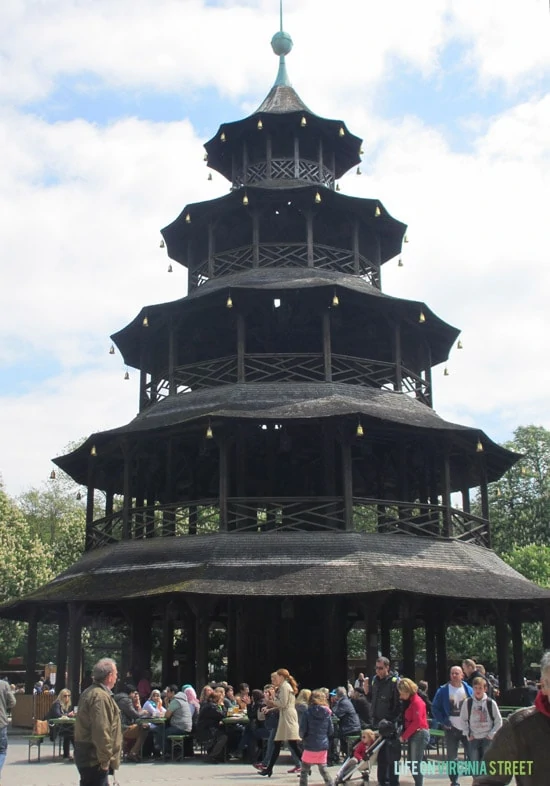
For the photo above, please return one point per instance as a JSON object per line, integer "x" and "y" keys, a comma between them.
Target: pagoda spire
{"x": 281, "y": 43}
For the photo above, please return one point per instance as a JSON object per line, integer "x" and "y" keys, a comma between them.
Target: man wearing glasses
{"x": 385, "y": 705}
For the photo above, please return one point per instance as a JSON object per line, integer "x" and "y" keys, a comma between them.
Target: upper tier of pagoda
{"x": 283, "y": 142}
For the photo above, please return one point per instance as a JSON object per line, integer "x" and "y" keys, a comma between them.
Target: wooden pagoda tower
{"x": 286, "y": 476}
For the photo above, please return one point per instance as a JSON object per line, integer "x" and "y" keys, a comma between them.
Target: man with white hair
{"x": 98, "y": 732}
{"x": 521, "y": 748}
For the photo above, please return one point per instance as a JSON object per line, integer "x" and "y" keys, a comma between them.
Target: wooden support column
{"x": 75, "y": 649}
{"x": 465, "y": 492}
{"x": 397, "y": 358}
{"x": 127, "y": 489}
{"x": 484, "y": 495}
{"x": 502, "y": 635}
{"x": 172, "y": 360}
{"x": 321, "y": 162}
{"x": 431, "y": 656}
{"x": 245, "y": 164}
{"x": 141, "y": 639}
{"x": 327, "y": 347}
{"x": 370, "y": 610}
{"x": 211, "y": 250}
{"x": 223, "y": 446}
{"x": 109, "y": 501}
{"x": 385, "y": 640}
{"x": 241, "y": 348}
{"x": 517, "y": 650}
{"x": 32, "y": 639}
{"x": 329, "y": 474}
{"x": 441, "y": 645}
{"x": 202, "y": 608}
{"x": 407, "y": 630}
{"x": 268, "y": 156}
{"x": 296, "y": 158}
{"x": 309, "y": 235}
{"x": 62, "y": 631}
{"x": 447, "y": 522}
{"x": 355, "y": 246}
{"x": 255, "y": 238}
{"x": 143, "y": 397}
{"x": 347, "y": 483}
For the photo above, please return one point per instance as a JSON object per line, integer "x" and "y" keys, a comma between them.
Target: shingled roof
{"x": 282, "y": 564}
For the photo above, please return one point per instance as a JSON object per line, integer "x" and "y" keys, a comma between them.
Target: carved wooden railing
{"x": 290, "y": 367}
{"x": 285, "y": 255}
{"x": 285, "y": 169}
{"x": 289, "y": 514}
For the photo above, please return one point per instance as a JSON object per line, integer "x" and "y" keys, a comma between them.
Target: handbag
{"x": 40, "y": 727}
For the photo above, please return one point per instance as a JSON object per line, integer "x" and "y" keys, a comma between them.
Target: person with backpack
{"x": 480, "y": 719}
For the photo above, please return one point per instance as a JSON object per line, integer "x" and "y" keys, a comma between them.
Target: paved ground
{"x": 18, "y": 772}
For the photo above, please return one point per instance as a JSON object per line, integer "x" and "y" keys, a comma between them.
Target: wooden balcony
{"x": 287, "y": 255}
{"x": 290, "y": 367}
{"x": 293, "y": 514}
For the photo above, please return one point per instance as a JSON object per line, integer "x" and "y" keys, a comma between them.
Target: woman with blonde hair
{"x": 302, "y": 702}
{"x": 287, "y": 728}
{"x": 415, "y": 726}
{"x": 63, "y": 708}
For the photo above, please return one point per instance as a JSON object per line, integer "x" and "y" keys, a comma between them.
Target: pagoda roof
{"x": 284, "y": 401}
{"x": 390, "y": 231}
{"x": 279, "y": 564}
{"x": 438, "y": 333}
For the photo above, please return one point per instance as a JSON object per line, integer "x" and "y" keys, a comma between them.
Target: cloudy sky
{"x": 105, "y": 105}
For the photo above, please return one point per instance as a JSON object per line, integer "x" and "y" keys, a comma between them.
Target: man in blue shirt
{"x": 446, "y": 708}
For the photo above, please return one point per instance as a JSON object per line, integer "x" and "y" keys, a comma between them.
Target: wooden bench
{"x": 177, "y": 742}
{"x": 35, "y": 740}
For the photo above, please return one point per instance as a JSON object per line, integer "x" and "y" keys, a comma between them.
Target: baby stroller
{"x": 353, "y": 770}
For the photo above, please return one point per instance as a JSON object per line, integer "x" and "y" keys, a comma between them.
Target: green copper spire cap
{"x": 281, "y": 43}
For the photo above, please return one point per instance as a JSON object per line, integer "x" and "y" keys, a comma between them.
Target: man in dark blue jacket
{"x": 446, "y": 710}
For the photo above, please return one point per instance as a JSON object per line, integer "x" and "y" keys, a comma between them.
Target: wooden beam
{"x": 327, "y": 346}
{"x": 241, "y": 348}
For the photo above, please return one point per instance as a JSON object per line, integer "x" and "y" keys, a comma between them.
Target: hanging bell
{"x": 78, "y": 496}
{"x": 303, "y": 122}
{"x": 338, "y": 187}
{"x": 406, "y": 239}
{"x": 460, "y": 345}
{"x": 359, "y": 430}
{"x": 318, "y": 199}
{"x": 209, "y": 433}
{"x": 361, "y": 152}
{"x": 170, "y": 269}
{"x": 341, "y": 132}
{"x": 479, "y": 446}
{"x": 445, "y": 372}
{"x": 400, "y": 263}
{"x": 210, "y": 176}
{"x": 377, "y": 212}
{"x": 127, "y": 375}
{"x": 93, "y": 451}
{"x": 335, "y": 300}
{"x": 229, "y": 301}
{"x": 52, "y": 474}
{"x": 205, "y": 157}
{"x": 111, "y": 350}
{"x": 188, "y": 218}
{"x": 421, "y": 317}
{"x": 223, "y": 137}
{"x": 145, "y": 322}
{"x": 162, "y": 244}
{"x": 260, "y": 125}
{"x": 245, "y": 199}
{"x": 358, "y": 170}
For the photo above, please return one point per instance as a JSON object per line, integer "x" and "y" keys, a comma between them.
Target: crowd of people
{"x": 319, "y": 726}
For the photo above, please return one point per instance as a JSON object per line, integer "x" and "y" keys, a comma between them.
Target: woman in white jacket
{"x": 287, "y": 728}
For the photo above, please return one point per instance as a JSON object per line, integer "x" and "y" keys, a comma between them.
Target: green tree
{"x": 520, "y": 500}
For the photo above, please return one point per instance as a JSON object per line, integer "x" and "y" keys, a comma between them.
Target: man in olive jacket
{"x": 521, "y": 747}
{"x": 98, "y": 732}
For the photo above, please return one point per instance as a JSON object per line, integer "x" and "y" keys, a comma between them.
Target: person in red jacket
{"x": 415, "y": 726}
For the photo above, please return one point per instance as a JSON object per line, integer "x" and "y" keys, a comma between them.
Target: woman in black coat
{"x": 210, "y": 730}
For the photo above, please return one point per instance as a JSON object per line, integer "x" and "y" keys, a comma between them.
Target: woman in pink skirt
{"x": 315, "y": 731}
